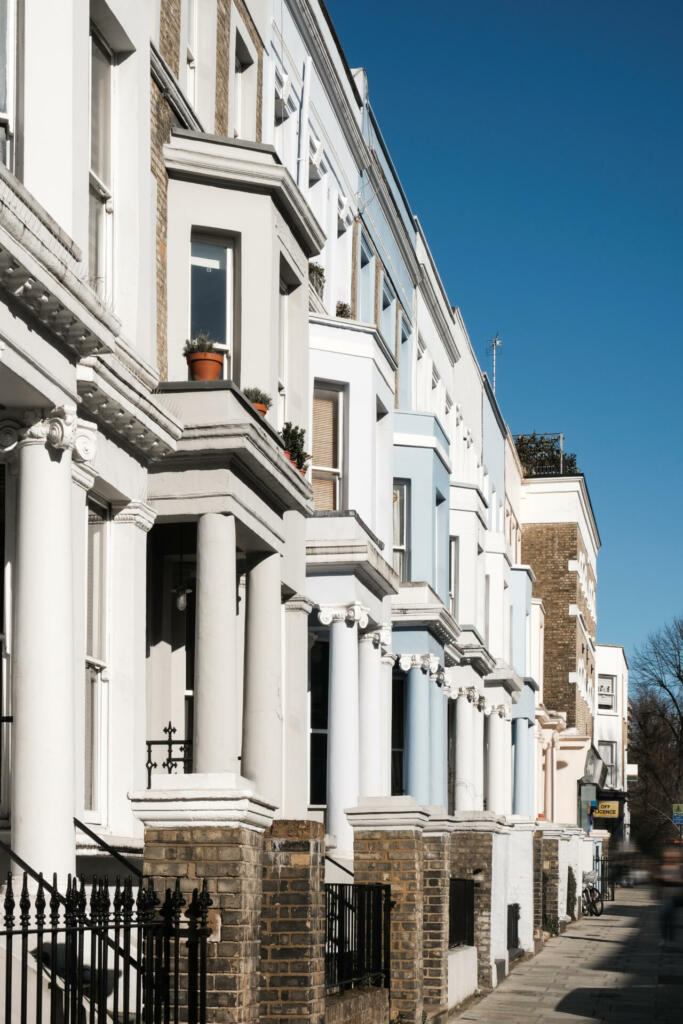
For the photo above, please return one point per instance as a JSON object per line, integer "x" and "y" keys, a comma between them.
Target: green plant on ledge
{"x": 343, "y": 311}
{"x": 571, "y": 894}
{"x": 294, "y": 439}
{"x": 316, "y": 275}
{"x": 258, "y": 397}
{"x": 201, "y": 343}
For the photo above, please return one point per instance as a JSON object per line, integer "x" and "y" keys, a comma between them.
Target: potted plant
{"x": 343, "y": 310}
{"x": 316, "y": 275}
{"x": 259, "y": 399}
{"x": 293, "y": 439}
{"x": 204, "y": 363}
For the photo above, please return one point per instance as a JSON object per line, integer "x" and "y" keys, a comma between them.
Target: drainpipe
{"x": 302, "y": 160}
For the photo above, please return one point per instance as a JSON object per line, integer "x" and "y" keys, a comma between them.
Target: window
{"x": 453, "y": 575}
{"x": 100, "y": 208}
{"x": 7, "y": 38}
{"x": 366, "y": 283}
{"x": 327, "y": 448}
{"x": 608, "y": 753}
{"x": 95, "y": 656}
{"x": 461, "y": 912}
{"x": 286, "y": 128}
{"x": 607, "y": 696}
{"x": 211, "y": 293}
{"x": 283, "y": 335}
{"x": 387, "y": 322}
{"x": 400, "y": 508}
{"x": 244, "y": 91}
{"x": 191, "y": 56}
{"x": 318, "y": 749}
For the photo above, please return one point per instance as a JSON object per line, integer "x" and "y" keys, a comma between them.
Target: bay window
{"x": 100, "y": 198}
{"x": 327, "y": 448}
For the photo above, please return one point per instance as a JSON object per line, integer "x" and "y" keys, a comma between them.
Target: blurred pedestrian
{"x": 670, "y": 878}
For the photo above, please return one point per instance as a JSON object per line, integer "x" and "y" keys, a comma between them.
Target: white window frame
{"x": 283, "y": 346}
{"x": 366, "y": 269}
{"x": 228, "y": 245}
{"x": 612, "y": 709}
{"x": 100, "y": 757}
{"x": 240, "y": 68}
{"x": 611, "y": 765}
{"x": 103, "y": 193}
{"x": 402, "y": 549}
{"x": 388, "y": 302}
{"x": 337, "y": 473}
{"x": 7, "y": 116}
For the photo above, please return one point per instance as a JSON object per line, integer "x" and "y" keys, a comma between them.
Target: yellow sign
{"x": 607, "y": 809}
{"x": 678, "y": 808}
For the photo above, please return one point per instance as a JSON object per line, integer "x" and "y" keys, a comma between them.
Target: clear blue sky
{"x": 540, "y": 142}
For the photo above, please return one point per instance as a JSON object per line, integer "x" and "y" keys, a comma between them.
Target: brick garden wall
{"x": 436, "y": 876}
{"x": 359, "y": 1006}
{"x": 472, "y": 851}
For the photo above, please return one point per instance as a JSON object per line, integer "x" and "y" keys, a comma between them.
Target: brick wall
{"x": 222, "y": 65}
{"x": 548, "y": 548}
{"x": 436, "y": 875}
{"x": 359, "y": 1006}
{"x": 396, "y": 859}
{"x": 293, "y": 923}
{"x": 538, "y": 887}
{"x": 473, "y": 851}
{"x": 551, "y": 883}
{"x": 231, "y": 860}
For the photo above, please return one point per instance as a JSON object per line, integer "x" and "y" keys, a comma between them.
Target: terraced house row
{"x": 292, "y": 664}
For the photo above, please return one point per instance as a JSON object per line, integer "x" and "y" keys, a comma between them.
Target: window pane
{"x": 100, "y": 113}
{"x": 324, "y": 491}
{"x": 399, "y": 515}
{"x": 326, "y": 429}
{"x": 96, "y": 216}
{"x": 318, "y": 787}
{"x": 91, "y": 723}
{"x": 4, "y": 53}
{"x": 400, "y": 565}
{"x": 95, "y": 635}
{"x": 209, "y": 300}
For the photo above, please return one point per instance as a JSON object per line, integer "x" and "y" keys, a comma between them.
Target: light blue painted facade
{"x": 524, "y": 710}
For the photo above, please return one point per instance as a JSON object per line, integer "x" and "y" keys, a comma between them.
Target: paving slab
{"x": 606, "y": 970}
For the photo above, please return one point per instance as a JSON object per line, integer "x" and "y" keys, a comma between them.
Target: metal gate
{"x": 102, "y": 953}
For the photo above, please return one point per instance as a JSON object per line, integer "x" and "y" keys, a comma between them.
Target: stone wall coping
{"x": 479, "y": 821}
{"x": 215, "y": 799}
{"x": 388, "y": 814}
{"x": 550, "y": 830}
{"x": 522, "y": 824}
{"x": 439, "y": 823}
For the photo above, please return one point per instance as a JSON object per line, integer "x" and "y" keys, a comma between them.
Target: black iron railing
{"x": 103, "y": 954}
{"x": 461, "y": 912}
{"x": 513, "y": 927}
{"x": 106, "y": 848}
{"x": 357, "y": 935}
{"x": 178, "y": 752}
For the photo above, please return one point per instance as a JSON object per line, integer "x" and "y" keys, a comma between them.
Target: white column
{"x": 263, "y": 710}
{"x": 43, "y": 671}
{"x": 216, "y": 728}
{"x": 387, "y": 687}
{"x": 343, "y": 720}
{"x": 438, "y": 745}
{"x": 478, "y": 745}
{"x": 495, "y": 747}
{"x": 464, "y": 751}
{"x": 295, "y": 755}
{"x": 520, "y": 805}
{"x": 531, "y": 777}
{"x": 507, "y": 763}
{"x": 371, "y": 717}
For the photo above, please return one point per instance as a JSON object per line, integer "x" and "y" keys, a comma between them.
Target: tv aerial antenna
{"x": 494, "y": 345}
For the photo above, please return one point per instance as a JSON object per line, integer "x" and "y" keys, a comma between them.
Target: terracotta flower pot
{"x": 260, "y": 407}
{"x": 289, "y": 457}
{"x": 205, "y": 365}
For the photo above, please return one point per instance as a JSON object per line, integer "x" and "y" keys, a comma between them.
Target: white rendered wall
{"x": 501, "y": 862}
{"x": 521, "y": 880}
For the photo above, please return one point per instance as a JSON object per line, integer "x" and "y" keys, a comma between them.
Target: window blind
{"x": 326, "y": 429}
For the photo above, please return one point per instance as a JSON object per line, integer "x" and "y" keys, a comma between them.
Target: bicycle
{"x": 591, "y": 898}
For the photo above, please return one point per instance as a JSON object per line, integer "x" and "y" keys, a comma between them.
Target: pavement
{"x": 602, "y": 970}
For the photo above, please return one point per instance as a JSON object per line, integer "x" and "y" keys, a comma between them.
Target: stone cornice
{"x": 40, "y": 270}
{"x": 204, "y": 158}
{"x": 344, "y": 544}
{"x": 124, "y": 406}
{"x": 418, "y": 606}
{"x": 388, "y": 814}
{"x": 218, "y": 800}
{"x": 139, "y": 513}
{"x": 505, "y": 676}
{"x": 299, "y": 603}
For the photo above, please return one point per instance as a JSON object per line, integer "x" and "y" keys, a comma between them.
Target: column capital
{"x": 139, "y": 513}
{"x": 372, "y": 637}
{"x": 470, "y": 692}
{"x": 428, "y": 663}
{"x": 352, "y": 613}
{"x": 83, "y": 476}
{"x": 299, "y": 603}
{"x": 61, "y": 429}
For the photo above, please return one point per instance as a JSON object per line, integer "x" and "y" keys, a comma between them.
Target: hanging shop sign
{"x": 607, "y": 809}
